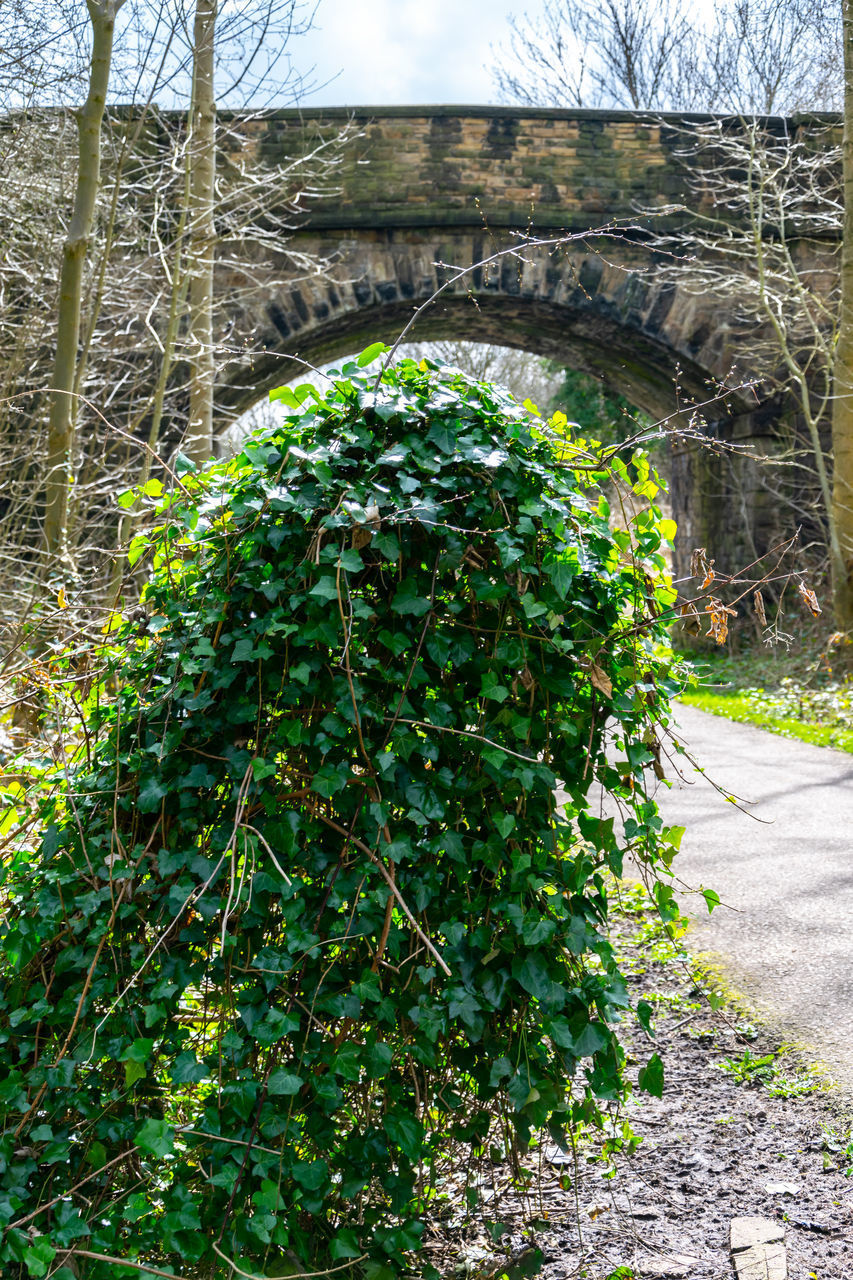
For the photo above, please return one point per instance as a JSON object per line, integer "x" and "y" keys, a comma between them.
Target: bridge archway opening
{"x": 586, "y": 399}
{"x": 597, "y": 340}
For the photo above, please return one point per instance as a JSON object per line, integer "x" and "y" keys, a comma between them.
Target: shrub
{"x": 307, "y": 918}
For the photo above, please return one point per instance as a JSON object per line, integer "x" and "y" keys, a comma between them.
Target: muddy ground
{"x": 768, "y": 1140}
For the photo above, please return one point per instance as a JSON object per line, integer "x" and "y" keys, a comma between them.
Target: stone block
{"x": 762, "y": 1262}
{"x": 758, "y": 1249}
{"x": 745, "y": 1232}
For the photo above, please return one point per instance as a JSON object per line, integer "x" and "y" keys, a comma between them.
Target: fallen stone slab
{"x": 758, "y": 1249}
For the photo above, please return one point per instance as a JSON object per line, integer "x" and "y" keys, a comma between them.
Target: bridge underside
{"x": 602, "y": 309}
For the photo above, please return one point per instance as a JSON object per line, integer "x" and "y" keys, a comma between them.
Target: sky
{"x": 385, "y": 52}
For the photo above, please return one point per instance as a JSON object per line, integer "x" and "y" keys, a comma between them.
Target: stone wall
{"x": 496, "y": 166}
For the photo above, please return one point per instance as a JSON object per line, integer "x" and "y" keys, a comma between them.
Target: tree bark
{"x": 842, "y": 404}
{"x": 63, "y": 409}
{"x": 199, "y": 439}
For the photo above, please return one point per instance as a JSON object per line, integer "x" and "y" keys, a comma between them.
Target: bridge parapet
{"x": 464, "y": 166}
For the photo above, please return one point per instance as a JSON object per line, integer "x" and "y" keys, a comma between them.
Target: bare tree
{"x": 60, "y": 444}
{"x": 770, "y": 57}
{"x": 582, "y": 53}
{"x": 762, "y": 239}
{"x": 202, "y": 168}
{"x": 764, "y": 205}
{"x": 753, "y": 56}
{"x": 126, "y": 376}
{"x": 842, "y": 407}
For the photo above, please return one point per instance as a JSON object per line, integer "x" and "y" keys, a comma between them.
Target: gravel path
{"x": 785, "y": 930}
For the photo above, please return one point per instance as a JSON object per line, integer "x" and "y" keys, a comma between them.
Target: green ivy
{"x": 306, "y": 920}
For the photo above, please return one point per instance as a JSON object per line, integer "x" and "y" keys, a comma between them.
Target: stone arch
{"x": 607, "y": 313}
{"x": 603, "y": 310}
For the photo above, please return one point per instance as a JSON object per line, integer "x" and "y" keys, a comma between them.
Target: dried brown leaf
{"x": 361, "y": 536}
{"x": 601, "y": 680}
{"x": 810, "y": 599}
{"x": 718, "y": 615}
{"x": 691, "y": 619}
{"x": 758, "y": 601}
{"x": 698, "y": 562}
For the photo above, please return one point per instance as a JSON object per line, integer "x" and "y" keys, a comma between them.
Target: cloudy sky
{"x": 367, "y": 52}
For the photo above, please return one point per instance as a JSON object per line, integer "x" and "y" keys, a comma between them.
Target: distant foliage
{"x": 600, "y": 413}
{"x": 306, "y": 922}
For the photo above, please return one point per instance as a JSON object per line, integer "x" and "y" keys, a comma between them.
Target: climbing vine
{"x": 306, "y": 918}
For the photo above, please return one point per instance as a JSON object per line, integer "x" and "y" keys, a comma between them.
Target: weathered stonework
{"x": 428, "y": 190}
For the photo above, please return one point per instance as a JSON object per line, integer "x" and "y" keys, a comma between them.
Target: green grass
{"x": 754, "y": 706}
{"x": 803, "y": 692}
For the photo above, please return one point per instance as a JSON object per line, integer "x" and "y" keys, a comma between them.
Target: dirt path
{"x": 785, "y": 931}
{"x": 743, "y": 1130}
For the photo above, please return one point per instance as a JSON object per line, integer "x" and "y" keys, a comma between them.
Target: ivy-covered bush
{"x": 306, "y": 918}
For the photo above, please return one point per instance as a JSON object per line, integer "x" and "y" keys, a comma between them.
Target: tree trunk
{"x": 842, "y": 404}
{"x": 199, "y": 440}
{"x": 63, "y": 409}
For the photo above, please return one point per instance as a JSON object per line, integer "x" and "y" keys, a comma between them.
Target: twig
{"x": 389, "y": 879}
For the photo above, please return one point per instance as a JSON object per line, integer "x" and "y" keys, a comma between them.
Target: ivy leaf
{"x": 330, "y": 779}
{"x": 644, "y": 1014}
{"x": 534, "y": 977}
{"x": 466, "y": 1006}
{"x": 344, "y": 1244}
{"x": 405, "y": 1131}
{"x": 409, "y": 599}
{"x": 325, "y": 589}
{"x": 134, "y": 1071}
{"x": 188, "y": 1070}
{"x": 183, "y": 465}
{"x": 263, "y": 769}
{"x": 650, "y": 1077}
{"x": 592, "y": 1039}
{"x": 312, "y": 1175}
{"x": 138, "y": 1051}
{"x": 379, "y": 1059}
{"x": 157, "y": 1137}
{"x": 351, "y": 561}
{"x": 371, "y": 353}
{"x": 441, "y": 435}
{"x": 562, "y": 575}
{"x": 491, "y": 687}
{"x": 151, "y": 792}
{"x": 283, "y": 1084}
{"x": 39, "y": 1256}
{"x": 712, "y": 899}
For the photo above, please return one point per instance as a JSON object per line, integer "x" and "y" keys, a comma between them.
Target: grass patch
{"x": 760, "y": 708}
{"x": 805, "y": 694}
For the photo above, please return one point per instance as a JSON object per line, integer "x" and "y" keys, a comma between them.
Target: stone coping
{"x": 488, "y": 111}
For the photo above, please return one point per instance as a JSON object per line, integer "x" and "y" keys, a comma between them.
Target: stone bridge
{"x": 425, "y": 191}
